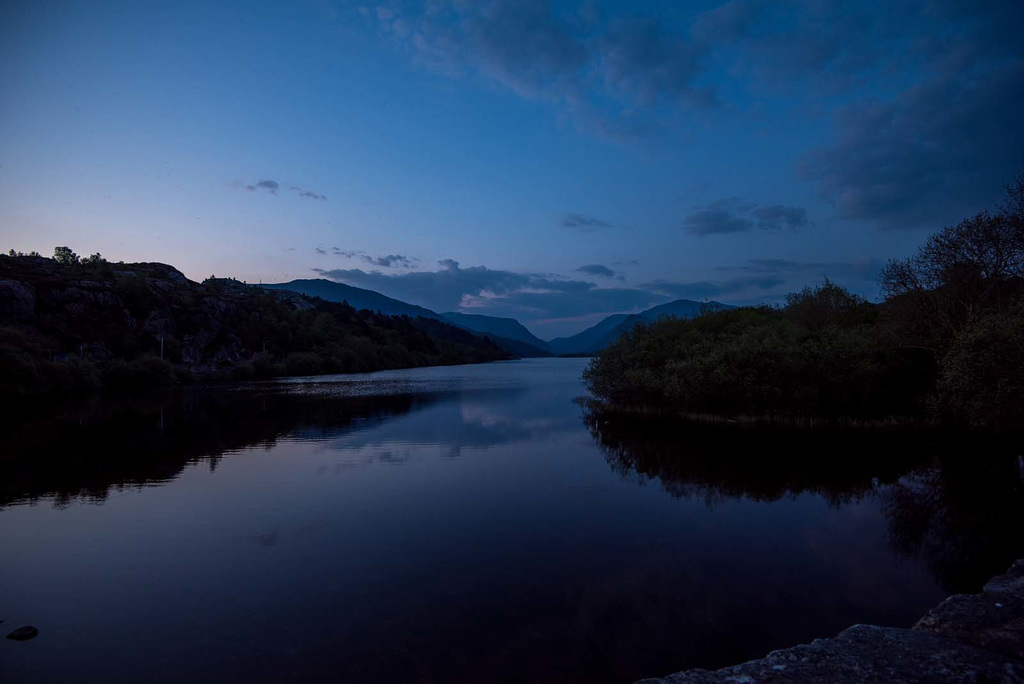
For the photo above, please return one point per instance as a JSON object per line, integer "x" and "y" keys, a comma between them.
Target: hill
{"x": 82, "y": 326}
{"x": 507, "y": 333}
{"x": 600, "y": 336}
{"x": 504, "y": 328}
{"x": 356, "y": 297}
{"x": 589, "y": 339}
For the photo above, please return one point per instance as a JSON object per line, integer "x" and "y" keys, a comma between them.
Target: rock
{"x": 17, "y": 302}
{"x": 159, "y": 322}
{"x": 24, "y": 633}
{"x": 993, "y": 619}
{"x": 966, "y": 638}
{"x": 867, "y": 653}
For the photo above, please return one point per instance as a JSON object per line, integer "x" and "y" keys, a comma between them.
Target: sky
{"x": 554, "y": 162}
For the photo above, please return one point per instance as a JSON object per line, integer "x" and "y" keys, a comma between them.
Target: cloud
{"x": 925, "y": 97}
{"x": 642, "y": 60}
{"x": 391, "y": 261}
{"x": 522, "y": 45}
{"x": 526, "y": 296}
{"x": 938, "y": 151}
{"x": 307, "y": 194}
{"x": 865, "y": 269}
{"x": 386, "y": 261}
{"x": 732, "y": 215}
{"x": 777, "y": 217}
{"x": 597, "y": 270}
{"x": 601, "y": 74}
{"x": 705, "y": 289}
{"x": 270, "y": 186}
{"x": 583, "y": 223}
{"x": 760, "y": 280}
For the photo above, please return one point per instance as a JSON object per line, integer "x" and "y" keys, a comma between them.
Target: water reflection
{"x": 88, "y": 450}
{"x": 461, "y": 525}
{"x": 956, "y": 501}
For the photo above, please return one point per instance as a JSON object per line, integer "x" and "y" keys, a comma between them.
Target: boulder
{"x": 24, "y": 633}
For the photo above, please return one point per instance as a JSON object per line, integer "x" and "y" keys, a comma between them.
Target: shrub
{"x": 141, "y": 373}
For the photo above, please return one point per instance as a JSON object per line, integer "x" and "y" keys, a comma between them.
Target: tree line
{"x": 945, "y": 344}
{"x": 76, "y": 325}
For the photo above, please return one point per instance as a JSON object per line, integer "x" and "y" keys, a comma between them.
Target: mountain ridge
{"x": 508, "y": 328}
{"x": 610, "y": 329}
{"x": 516, "y": 339}
{"x": 506, "y": 332}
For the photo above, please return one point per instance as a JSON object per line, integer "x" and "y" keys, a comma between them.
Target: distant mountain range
{"x": 596, "y": 338}
{"x": 508, "y": 333}
{"x": 356, "y": 297}
{"x": 506, "y": 328}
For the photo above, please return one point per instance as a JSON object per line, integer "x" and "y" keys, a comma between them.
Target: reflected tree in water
{"x": 955, "y": 502}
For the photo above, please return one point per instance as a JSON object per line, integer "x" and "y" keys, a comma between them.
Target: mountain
{"x": 505, "y": 328}
{"x": 596, "y": 338}
{"x": 589, "y": 339}
{"x": 507, "y": 333}
{"x": 357, "y": 297}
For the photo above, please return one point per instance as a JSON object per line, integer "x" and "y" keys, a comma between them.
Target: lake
{"x": 466, "y": 524}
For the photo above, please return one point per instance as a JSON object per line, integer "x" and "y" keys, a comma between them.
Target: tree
{"x": 94, "y": 260}
{"x": 824, "y": 305}
{"x": 963, "y": 269}
{"x": 65, "y": 256}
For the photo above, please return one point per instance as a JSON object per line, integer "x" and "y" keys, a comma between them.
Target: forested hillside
{"x": 71, "y": 324}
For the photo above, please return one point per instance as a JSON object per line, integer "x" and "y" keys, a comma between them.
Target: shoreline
{"x": 966, "y": 638}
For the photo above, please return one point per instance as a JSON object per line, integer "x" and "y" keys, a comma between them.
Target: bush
{"x": 304, "y": 363}
{"x": 820, "y": 356}
{"x": 981, "y": 379}
{"x": 141, "y": 373}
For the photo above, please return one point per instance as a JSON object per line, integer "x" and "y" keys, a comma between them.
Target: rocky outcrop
{"x": 17, "y": 301}
{"x": 966, "y": 638}
{"x": 993, "y": 619}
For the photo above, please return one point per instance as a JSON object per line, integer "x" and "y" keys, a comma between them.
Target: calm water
{"x": 465, "y": 524}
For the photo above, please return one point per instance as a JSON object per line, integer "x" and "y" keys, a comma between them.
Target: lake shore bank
{"x": 966, "y": 638}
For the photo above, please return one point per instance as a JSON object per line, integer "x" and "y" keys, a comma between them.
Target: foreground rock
{"x": 993, "y": 619}
{"x": 966, "y": 638}
{"x": 24, "y": 633}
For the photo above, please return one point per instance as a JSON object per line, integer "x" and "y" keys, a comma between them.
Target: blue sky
{"x": 555, "y": 162}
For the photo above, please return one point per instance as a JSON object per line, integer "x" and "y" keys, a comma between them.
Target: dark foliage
{"x": 74, "y": 325}
{"x": 947, "y": 343}
{"x": 819, "y": 356}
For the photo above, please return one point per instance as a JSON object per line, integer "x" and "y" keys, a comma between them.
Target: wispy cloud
{"x": 272, "y": 187}
{"x": 732, "y": 215}
{"x": 307, "y": 194}
{"x": 607, "y": 76}
{"x": 865, "y": 270}
{"x": 269, "y": 186}
{"x": 386, "y": 261}
{"x": 925, "y": 98}
{"x": 599, "y": 270}
{"x": 583, "y": 223}
{"x": 391, "y": 261}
